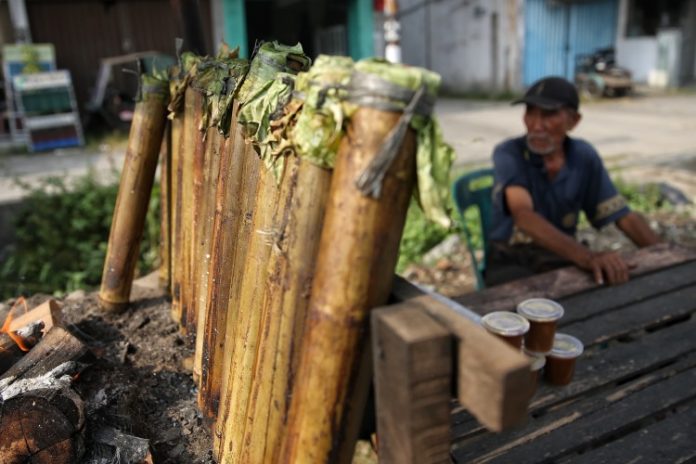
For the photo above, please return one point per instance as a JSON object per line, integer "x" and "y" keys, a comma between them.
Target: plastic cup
{"x": 538, "y": 361}
{"x": 543, "y": 315}
{"x": 509, "y": 326}
{"x": 560, "y": 362}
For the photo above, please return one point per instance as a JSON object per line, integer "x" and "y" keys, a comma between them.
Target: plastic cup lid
{"x": 566, "y": 346}
{"x": 505, "y": 323}
{"x": 538, "y": 360}
{"x": 540, "y": 310}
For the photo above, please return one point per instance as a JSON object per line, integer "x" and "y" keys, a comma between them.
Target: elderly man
{"x": 542, "y": 182}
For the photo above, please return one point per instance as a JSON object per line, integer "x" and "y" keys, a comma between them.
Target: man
{"x": 542, "y": 182}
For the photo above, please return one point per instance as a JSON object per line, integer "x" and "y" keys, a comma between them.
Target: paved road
{"x": 626, "y": 131}
{"x": 651, "y": 138}
{"x": 643, "y": 136}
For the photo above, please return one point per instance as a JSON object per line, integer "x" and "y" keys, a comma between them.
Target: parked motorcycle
{"x": 598, "y": 75}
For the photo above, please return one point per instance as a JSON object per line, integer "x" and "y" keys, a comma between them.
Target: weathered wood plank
{"x": 604, "y": 368}
{"x": 493, "y": 380}
{"x": 571, "y": 280}
{"x": 649, "y": 313}
{"x": 670, "y": 440}
{"x": 413, "y": 362}
{"x": 584, "y": 426}
{"x": 599, "y": 300}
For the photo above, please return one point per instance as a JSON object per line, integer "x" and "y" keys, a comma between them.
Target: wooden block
{"x": 493, "y": 379}
{"x": 413, "y": 363}
{"x": 48, "y": 312}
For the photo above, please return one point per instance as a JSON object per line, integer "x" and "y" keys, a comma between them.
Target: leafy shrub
{"x": 62, "y": 232}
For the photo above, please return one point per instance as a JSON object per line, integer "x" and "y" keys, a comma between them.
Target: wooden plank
{"x": 413, "y": 363}
{"x": 570, "y": 280}
{"x": 670, "y": 440}
{"x": 583, "y": 426}
{"x": 629, "y": 319}
{"x": 605, "y": 368}
{"x": 599, "y": 300}
{"x": 493, "y": 380}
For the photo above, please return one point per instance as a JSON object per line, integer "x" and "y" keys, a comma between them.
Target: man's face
{"x": 547, "y": 129}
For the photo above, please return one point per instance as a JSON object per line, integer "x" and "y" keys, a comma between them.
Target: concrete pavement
{"x": 67, "y": 163}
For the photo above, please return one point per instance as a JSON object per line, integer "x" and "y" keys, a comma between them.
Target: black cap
{"x": 551, "y": 93}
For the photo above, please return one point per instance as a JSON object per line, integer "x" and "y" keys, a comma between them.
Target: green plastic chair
{"x": 474, "y": 190}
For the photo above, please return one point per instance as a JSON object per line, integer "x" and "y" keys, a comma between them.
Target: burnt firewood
{"x": 21, "y": 333}
{"x": 41, "y": 417}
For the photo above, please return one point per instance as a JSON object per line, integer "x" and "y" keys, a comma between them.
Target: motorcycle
{"x": 598, "y": 75}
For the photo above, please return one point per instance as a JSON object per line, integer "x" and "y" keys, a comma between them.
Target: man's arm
{"x": 635, "y": 228}
{"x": 521, "y": 207}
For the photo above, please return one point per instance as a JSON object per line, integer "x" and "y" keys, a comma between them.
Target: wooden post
{"x": 358, "y": 252}
{"x": 413, "y": 368}
{"x": 144, "y": 142}
{"x": 493, "y": 380}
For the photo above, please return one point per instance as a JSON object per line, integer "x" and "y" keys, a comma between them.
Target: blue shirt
{"x": 582, "y": 184}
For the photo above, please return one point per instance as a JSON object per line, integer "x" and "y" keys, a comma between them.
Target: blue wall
{"x": 555, "y": 33}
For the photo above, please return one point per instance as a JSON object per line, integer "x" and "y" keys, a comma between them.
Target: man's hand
{"x": 607, "y": 265}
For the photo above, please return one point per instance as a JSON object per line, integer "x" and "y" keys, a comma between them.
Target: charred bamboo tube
{"x": 247, "y": 322}
{"x": 165, "y": 209}
{"x": 241, "y": 329}
{"x": 144, "y": 141}
{"x": 228, "y": 215}
{"x": 176, "y": 171}
{"x": 290, "y": 273}
{"x": 215, "y": 144}
{"x": 357, "y": 254}
{"x": 192, "y": 151}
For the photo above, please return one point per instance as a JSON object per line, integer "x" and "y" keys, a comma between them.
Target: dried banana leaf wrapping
{"x": 319, "y": 126}
{"x": 434, "y": 157}
{"x": 264, "y": 95}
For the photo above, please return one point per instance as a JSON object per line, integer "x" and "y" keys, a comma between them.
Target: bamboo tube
{"x": 144, "y": 141}
{"x": 165, "y": 271}
{"x": 251, "y": 173}
{"x": 215, "y": 144}
{"x": 176, "y": 205}
{"x": 290, "y": 272}
{"x": 228, "y": 209}
{"x": 246, "y": 331}
{"x": 191, "y": 153}
{"x": 358, "y": 252}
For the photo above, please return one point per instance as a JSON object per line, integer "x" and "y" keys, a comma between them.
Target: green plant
{"x": 62, "y": 233}
{"x": 420, "y": 234}
{"x": 645, "y": 198}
